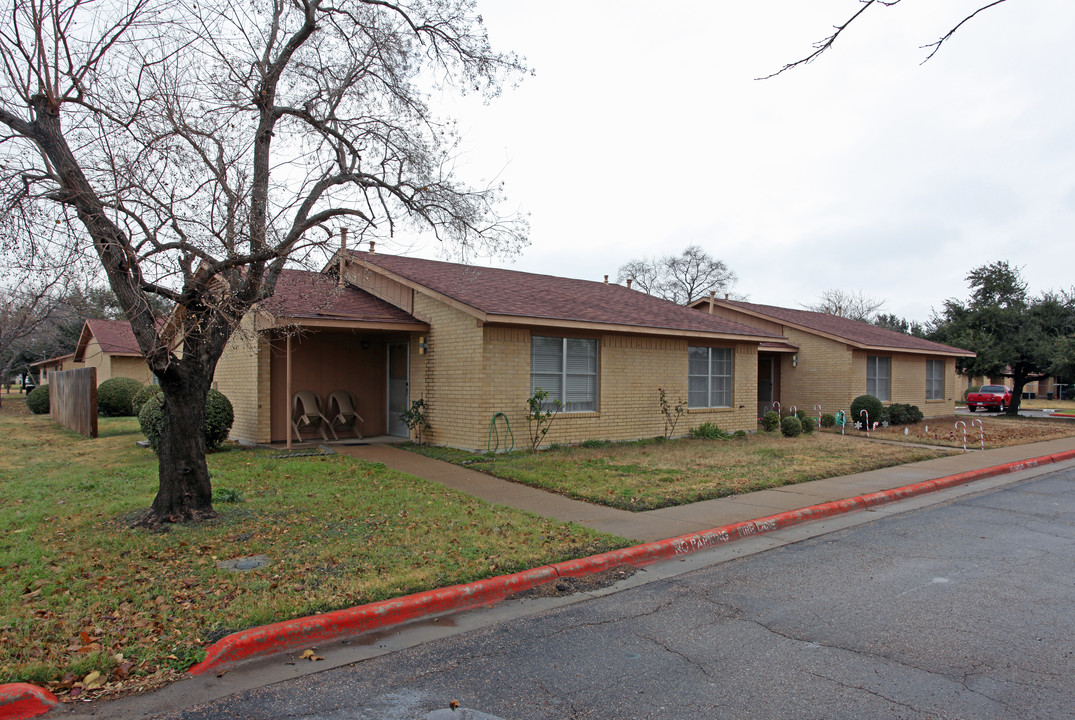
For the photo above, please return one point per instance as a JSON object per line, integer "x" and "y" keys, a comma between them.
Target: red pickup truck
{"x": 995, "y": 397}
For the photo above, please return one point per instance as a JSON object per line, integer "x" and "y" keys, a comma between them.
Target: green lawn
{"x": 82, "y": 593}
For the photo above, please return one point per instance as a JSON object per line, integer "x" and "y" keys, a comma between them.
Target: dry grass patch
{"x": 651, "y": 474}
{"x": 89, "y": 606}
{"x": 999, "y": 431}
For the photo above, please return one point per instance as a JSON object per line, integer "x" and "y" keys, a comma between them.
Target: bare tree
{"x": 26, "y": 306}
{"x": 196, "y": 148}
{"x": 822, "y": 45}
{"x": 680, "y": 278}
{"x": 854, "y": 305}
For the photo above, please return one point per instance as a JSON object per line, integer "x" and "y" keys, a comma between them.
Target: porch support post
{"x": 287, "y": 388}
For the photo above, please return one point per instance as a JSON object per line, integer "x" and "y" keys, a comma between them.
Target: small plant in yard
{"x": 770, "y": 421}
{"x": 671, "y": 413}
{"x": 791, "y": 426}
{"x": 709, "y": 431}
{"x": 828, "y": 420}
{"x": 114, "y": 396}
{"x": 539, "y": 416}
{"x": 807, "y": 424}
{"x": 902, "y": 414}
{"x": 415, "y": 420}
{"x": 218, "y": 419}
{"x": 868, "y": 403}
{"x": 142, "y": 395}
{"x": 38, "y": 400}
{"x": 227, "y": 495}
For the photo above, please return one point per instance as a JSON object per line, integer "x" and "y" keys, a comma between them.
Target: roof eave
{"x": 617, "y": 327}
{"x": 273, "y": 322}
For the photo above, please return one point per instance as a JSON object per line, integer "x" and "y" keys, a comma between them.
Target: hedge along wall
{"x": 73, "y": 399}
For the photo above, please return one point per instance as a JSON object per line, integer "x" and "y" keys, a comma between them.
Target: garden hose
{"x": 489, "y": 447}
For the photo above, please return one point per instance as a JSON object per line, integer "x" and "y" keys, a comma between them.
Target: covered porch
{"x": 334, "y": 350}
{"x": 769, "y": 361}
{"x": 371, "y": 367}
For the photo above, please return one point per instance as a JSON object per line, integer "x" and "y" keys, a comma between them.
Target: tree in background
{"x": 853, "y": 305}
{"x": 196, "y": 148}
{"x": 1013, "y": 334}
{"x": 889, "y": 321}
{"x": 680, "y": 278}
{"x": 26, "y": 307}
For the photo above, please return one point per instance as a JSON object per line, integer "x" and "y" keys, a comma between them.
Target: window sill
{"x": 577, "y": 413}
{"x": 721, "y": 408}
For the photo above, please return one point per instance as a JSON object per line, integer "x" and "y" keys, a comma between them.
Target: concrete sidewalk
{"x": 675, "y": 521}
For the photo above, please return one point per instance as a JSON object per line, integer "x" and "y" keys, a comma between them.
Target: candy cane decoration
{"x": 862, "y": 412}
{"x": 776, "y": 406}
{"x": 794, "y": 411}
{"x": 981, "y": 431}
{"x": 841, "y": 420}
{"x": 958, "y": 423}
{"x": 817, "y": 418}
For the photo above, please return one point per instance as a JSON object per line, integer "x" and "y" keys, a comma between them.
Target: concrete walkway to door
{"x": 696, "y": 517}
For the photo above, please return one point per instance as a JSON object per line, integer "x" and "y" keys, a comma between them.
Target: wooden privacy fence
{"x": 73, "y": 399}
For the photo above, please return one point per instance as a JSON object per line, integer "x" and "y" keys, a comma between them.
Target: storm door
{"x": 398, "y": 376}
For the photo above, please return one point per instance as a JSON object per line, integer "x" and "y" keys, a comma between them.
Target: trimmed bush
{"x": 151, "y": 420}
{"x": 709, "y": 431}
{"x": 868, "y": 403}
{"x": 38, "y": 399}
{"x": 828, "y": 420}
{"x": 141, "y": 396}
{"x": 902, "y": 414}
{"x": 770, "y": 421}
{"x": 218, "y": 419}
{"x": 807, "y": 423}
{"x": 791, "y": 426}
{"x": 114, "y": 396}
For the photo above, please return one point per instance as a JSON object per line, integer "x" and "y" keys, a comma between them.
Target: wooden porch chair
{"x": 341, "y": 408}
{"x": 306, "y": 414}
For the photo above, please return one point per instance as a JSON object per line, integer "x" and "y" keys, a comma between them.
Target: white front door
{"x": 398, "y": 376}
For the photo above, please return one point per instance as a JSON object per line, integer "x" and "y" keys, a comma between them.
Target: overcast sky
{"x": 644, "y": 130}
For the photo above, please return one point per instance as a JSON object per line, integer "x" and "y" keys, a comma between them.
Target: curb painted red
{"x": 300, "y": 633}
{"x": 23, "y": 700}
{"x": 293, "y": 635}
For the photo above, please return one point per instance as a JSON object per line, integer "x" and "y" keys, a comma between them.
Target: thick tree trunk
{"x": 1018, "y": 383}
{"x": 185, "y": 492}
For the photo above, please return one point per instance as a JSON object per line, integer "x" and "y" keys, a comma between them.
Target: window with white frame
{"x": 709, "y": 377}
{"x": 878, "y": 376}
{"x": 565, "y": 368}
{"x": 934, "y": 379}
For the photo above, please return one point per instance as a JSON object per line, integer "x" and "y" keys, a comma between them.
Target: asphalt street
{"x": 960, "y": 610}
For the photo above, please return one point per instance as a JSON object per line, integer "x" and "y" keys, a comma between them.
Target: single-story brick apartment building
{"x": 471, "y": 342}
{"x": 828, "y": 360}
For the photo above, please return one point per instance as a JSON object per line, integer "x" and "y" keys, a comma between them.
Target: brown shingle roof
{"x": 511, "y": 295}
{"x": 114, "y": 336}
{"x": 854, "y": 332}
{"x": 301, "y": 294}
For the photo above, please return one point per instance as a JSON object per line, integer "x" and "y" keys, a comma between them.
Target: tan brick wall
{"x": 242, "y": 374}
{"x": 95, "y": 357}
{"x": 831, "y": 374}
{"x": 472, "y": 372}
{"x": 449, "y": 378}
{"x": 131, "y": 367}
{"x": 824, "y": 374}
